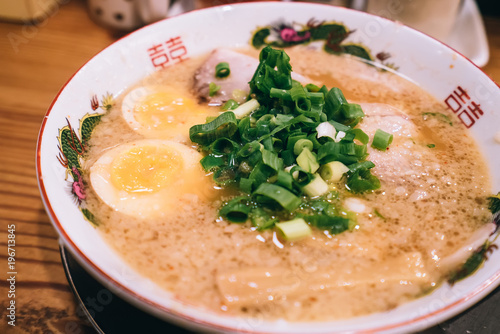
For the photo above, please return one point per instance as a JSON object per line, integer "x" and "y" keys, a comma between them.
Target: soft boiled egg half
{"x": 163, "y": 112}
{"x": 145, "y": 178}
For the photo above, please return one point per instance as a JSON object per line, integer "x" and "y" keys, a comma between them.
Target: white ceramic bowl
{"x": 424, "y": 60}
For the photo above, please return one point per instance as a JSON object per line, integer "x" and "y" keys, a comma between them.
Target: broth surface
{"x": 427, "y": 210}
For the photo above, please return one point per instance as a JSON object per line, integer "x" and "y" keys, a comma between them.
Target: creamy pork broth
{"x": 430, "y": 204}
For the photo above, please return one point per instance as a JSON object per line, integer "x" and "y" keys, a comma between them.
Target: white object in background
{"x": 127, "y": 14}
{"x": 468, "y": 35}
{"x": 27, "y": 10}
{"x": 181, "y": 6}
{"x": 435, "y": 18}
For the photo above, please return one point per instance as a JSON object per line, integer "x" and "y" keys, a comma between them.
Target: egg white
{"x": 189, "y": 179}
{"x": 169, "y": 117}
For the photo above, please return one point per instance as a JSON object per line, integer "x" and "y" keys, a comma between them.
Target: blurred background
{"x": 458, "y": 23}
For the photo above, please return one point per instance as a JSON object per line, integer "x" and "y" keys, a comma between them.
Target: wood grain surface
{"x": 35, "y": 61}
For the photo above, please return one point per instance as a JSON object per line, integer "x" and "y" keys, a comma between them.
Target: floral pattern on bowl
{"x": 72, "y": 147}
{"x": 331, "y": 35}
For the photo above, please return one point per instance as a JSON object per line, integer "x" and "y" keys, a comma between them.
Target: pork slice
{"x": 405, "y": 156}
{"x": 233, "y": 86}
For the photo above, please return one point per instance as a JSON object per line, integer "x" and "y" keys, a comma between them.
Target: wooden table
{"x": 35, "y": 61}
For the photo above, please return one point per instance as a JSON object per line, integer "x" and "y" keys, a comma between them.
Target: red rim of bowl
{"x": 418, "y": 322}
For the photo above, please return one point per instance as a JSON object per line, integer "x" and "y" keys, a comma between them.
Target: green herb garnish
{"x": 213, "y": 89}
{"x": 269, "y": 148}
{"x": 229, "y": 105}
{"x": 438, "y": 115}
{"x": 294, "y": 229}
{"x": 382, "y": 140}
{"x": 222, "y": 70}
{"x": 378, "y": 214}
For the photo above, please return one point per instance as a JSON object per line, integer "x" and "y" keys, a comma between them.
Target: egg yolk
{"x": 159, "y": 110}
{"x": 145, "y": 168}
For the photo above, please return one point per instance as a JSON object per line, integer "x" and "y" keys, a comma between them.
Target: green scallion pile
{"x": 283, "y": 147}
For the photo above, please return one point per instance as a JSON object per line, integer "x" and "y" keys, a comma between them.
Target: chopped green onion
{"x": 325, "y": 129}
{"x": 213, "y": 89}
{"x": 314, "y": 140}
{"x": 254, "y": 158}
{"x": 236, "y": 210}
{"x": 333, "y": 101}
{"x": 222, "y": 70}
{"x": 298, "y": 91}
{"x": 324, "y": 90}
{"x": 339, "y": 127}
{"x": 261, "y": 219}
{"x": 381, "y": 140}
{"x": 239, "y": 95}
{"x": 316, "y": 187}
{"x": 246, "y": 108}
{"x": 224, "y": 146}
{"x": 294, "y": 173}
{"x": 312, "y": 88}
{"x": 307, "y": 161}
{"x": 347, "y": 153}
{"x": 230, "y": 105}
{"x": 316, "y": 98}
{"x": 260, "y": 173}
{"x": 277, "y": 144}
{"x": 246, "y": 185}
{"x": 320, "y": 206}
{"x": 300, "y": 175}
{"x": 333, "y": 171}
{"x": 333, "y": 224}
{"x": 351, "y": 114}
{"x": 224, "y": 125}
{"x": 224, "y": 176}
{"x": 431, "y": 145}
{"x": 362, "y": 181}
{"x": 365, "y": 164}
{"x": 280, "y": 94}
{"x": 303, "y": 105}
{"x": 292, "y": 139}
{"x": 340, "y": 136}
{"x": 279, "y": 194}
{"x": 284, "y": 179}
{"x": 288, "y": 157}
{"x": 294, "y": 230}
{"x": 274, "y": 70}
{"x": 360, "y": 135}
{"x": 285, "y": 123}
{"x": 360, "y": 152}
{"x": 211, "y": 162}
{"x": 249, "y": 148}
{"x": 302, "y": 144}
{"x": 272, "y": 160}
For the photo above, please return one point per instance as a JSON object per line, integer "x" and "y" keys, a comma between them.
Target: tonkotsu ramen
{"x": 309, "y": 203}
